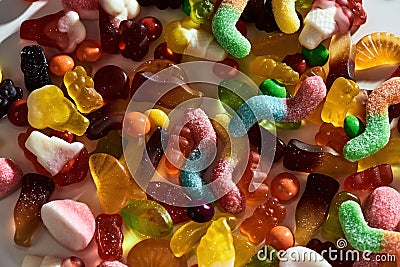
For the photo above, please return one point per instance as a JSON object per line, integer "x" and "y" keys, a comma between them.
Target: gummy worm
{"x": 285, "y": 15}
{"x": 377, "y": 130}
{"x": 363, "y": 237}
{"x": 234, "y": 200}
{"x": 310, "y": 94}
{"x": 205, "y": 140}
{"x": 224, "y": 29}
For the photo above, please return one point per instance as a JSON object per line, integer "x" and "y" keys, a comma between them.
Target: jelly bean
{"x": 353, "y": 126}
{"x": 108, "y": 236}
{"x": 80, "y": 88}
{"x": 110, "y": 144}
{"x": 154, "y": 252}
{"x": 162, "y": 51}
{"x": 114, "y": 185}
{"x": 265, "y": 257}
{"x": 224, "y": 30}
{"x": 267, "y": 67}
{"x": 285, "y": 186}
{"x": 153, "y": 26}
{"x": 363, "y": 237}
{"x": 60, "y": 64}
{"x": 334, "y": 258}
{"x": 310, "y": 94}
{"x": 147, "y": 217}
{"x": 313, "y": 206}
{"x": 273, "y": 87}
{"x": 329, "y": 135}
{"x": 157, "y": 118}
{"x": 10, "y": 177}
{"x": 280, "y": 237}
{"x": 331, "y": 229}
{"x": 317, "y": 56}
{"x": 87, "y": 9}
{"x": 324, "y": 20}
{"x": 36, "y": 190}
{"x": 111, "y": 82}
{"x": 89, "y": 51}
{"x": 375, "y": 49}
{"x": 216, "y": 246}
{"x": 134, "y": 43}
{"x": 369, "y": 179}
{"x": 285, "y": 16}
{"x": 62, "y": 30}
{"x": 35, "y": 68}
{"x": 47, "y": 107}
{"x": 377, "y": 130}
{"x": 136, "y": 124}
{"x": 184, "y": 37}
{"x": 73, "y": 261}
{"x": 296, "y": 61}
{"x": 276, "y": 44}
{"x": 107, "y": 118}
{"x": 341, "y": 58}
{"x": 8, "y": 94}
{"x": 200, "y": 11}
{"x": 309, "y": 158}
{"x": 265, "y": 217}
{"x": 201, "y": 213}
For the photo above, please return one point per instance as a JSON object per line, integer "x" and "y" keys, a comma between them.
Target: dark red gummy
{"x": 18, "y": 113}
{"x": 296, "y": 61}
{"x": 369, "y": 179}
{"x": 111, "y": 82}
{"x": 153, "y": 26}
{"x": 134, "y": 42}
{"x": 109, "y": 237}
{"x": 163, "y": 52}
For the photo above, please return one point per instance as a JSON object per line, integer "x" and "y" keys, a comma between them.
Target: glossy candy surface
{"x": 334, "y": 137}
{"x": 36, "y": 191}
{"x": 134, "y": 43}
{"x": 35, "y": 67}
{"x": 108, "y": 236}
{"x": 60, "y": 64}
{"x": 285, "y": 186}
{"x": 267, "y": 67}
{"x": 8, "y": 94}
{"x": 369, "y": 179}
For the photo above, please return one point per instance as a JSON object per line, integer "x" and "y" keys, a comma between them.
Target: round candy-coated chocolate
{"x": 136, "y": 124}
{"x": 201, "y": 213}
{"x": 272, "y": 87}
{"x": 60, "y": 64}
{"x": 154, "y": 27}
{"x": 353, "y": 126}
{"x": 280, "y": 237}
{"x": 285, "y": 186}
{"x": 317, "y": 56}
{"x": 111, "y": 82}
{"x": 296, "y": 61}
{"x": 18, "y": 113}
{"x": 163, "y": 52}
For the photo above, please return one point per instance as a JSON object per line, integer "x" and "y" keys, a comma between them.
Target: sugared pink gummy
{"x": 10, "y": 177}
{"x": 111, "y": 264}
{"x": 382, "y": 208}
{"x": 87, "y": 9}
{"x": 70, "y": 222}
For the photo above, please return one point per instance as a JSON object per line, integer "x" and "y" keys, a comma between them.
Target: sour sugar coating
{"x": 377, "y": 130}
{"x": 224, "y": 29}
{"x": 10, "y": 177}
{"x": 285, "y": 15}
{"x": 70, "y": 222}
{"x": 310, "y": 94}
{"x": 363, "y": 237}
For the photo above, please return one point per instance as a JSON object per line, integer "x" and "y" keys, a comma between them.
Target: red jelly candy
{"x": 369, "y": 179}
{"x": 334, "y": 137}
{"x": 17, "y": 113}
{"x": 74, "y": 171}
{"x": 111, "y": 82}
{"x": 109, "y": 237}
{"x": 296, "y": 61}
{"x": 163, "y": 52}
{"x": 134, "y": 42}
{"x": 109, "y": 34}
{"x": 154, "y": 27}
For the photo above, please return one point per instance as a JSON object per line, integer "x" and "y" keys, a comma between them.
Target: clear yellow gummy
{"x": 244, "y": 250}
{"x": 390, "y": 154}
{"x": 80, "y": 88}
{"x": 216, "y": 246}
{"x": 276, "y": 44}
{"x": 47, "y": 107}
{"x": 267, "y": 67}
{"x": 285, "y": 15}
{"x": 339, "y": 101}
{"x": 115, "y": 186}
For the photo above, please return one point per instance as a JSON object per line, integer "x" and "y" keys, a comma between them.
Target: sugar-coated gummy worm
{"x": 377, "y": 130}
{"x": 285, "y": 15}
{"x": 363, "y": 237}
{"x": 311, "y": 92}
{"x": 224, "y": 29}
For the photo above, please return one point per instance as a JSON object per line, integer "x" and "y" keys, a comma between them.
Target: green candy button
{"x": 353, "y": 126}
{"x": 317, "y": 56}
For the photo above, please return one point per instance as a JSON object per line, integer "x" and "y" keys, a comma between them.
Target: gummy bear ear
{"x": 9, "y": 28}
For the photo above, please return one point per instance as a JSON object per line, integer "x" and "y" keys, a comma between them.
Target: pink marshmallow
{"x": 70, "y": 222}
{"x": 87, "y": 9}
{"x": 10, "y": 177}
{"x": 382, "y": 208}
{"x": 111, "y": 264}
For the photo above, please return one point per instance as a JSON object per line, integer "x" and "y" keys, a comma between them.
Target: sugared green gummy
{"x": 317, "y": 56}
{"x": 273, "y": 87}
{"x": 353, "y": 126}
{"x": 234, "y": 93}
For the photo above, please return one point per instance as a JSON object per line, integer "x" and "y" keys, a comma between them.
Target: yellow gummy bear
{"x": 80, "y": 88}
{"x": 216, "y": 247}
{"x": 186, "y": 37}
{"x": 339, "y": 101}
{"x": 47, "y": 107}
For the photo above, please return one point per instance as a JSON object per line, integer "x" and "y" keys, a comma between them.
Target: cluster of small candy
{"x": 96, "y": 106}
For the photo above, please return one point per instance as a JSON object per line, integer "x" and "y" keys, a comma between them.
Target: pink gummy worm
{"x": 200, "y": 126}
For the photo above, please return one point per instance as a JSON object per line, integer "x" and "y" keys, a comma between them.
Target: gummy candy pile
{"x": 114, "y": 151}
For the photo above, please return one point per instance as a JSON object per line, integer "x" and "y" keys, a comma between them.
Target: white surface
{"x": 382, "y": 16}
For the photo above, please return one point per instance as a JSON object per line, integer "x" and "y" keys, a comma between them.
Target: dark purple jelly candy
{"x": 109, "y": 34}
{"x": 134, "y": 41}
{"x": 161, "y": 4}
{"x": 111, "y": 82}
{"x": 202, "y": 213}
{"x": 35, "y": 68}
{"x": 8, "y": 94}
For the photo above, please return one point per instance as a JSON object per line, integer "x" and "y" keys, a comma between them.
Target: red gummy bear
{"x": 369, "y": 179}
{"x": 109, "y": 237}
{"x": 265, "y": 217}
{"x": 334, "y": 137}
